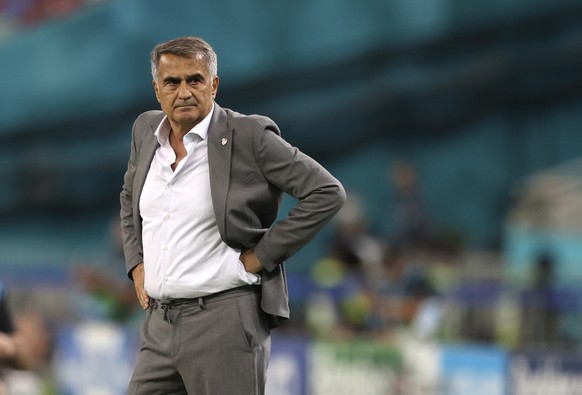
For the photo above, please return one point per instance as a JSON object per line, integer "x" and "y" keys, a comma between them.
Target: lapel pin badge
{"x": 224, "y": 141}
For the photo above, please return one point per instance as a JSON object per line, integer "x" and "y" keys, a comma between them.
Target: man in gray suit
{"x": 198, "y": 206}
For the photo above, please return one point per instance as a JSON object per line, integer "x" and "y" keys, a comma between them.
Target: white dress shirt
{"x": 184, "y": 255}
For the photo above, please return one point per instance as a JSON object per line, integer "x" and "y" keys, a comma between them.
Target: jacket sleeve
{"x": 319, "y": 197}
{"x": 131, "y": 246}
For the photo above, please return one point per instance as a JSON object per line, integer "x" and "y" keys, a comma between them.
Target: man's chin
{"x": 186, "y": 113}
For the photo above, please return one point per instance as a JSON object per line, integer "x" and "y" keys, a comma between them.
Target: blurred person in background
{"x": 107, "y": 295}
{"x": 8, "y": 346}
{"x": 410, "y": 219}
{"x": 540, "y": 306}
{"x": 25, "y": 348}
{"x": 339, "y": 305}
{"x": 354, "y": 243}
{"x": 200, "y": 196}
{"x": 405, "y": 286}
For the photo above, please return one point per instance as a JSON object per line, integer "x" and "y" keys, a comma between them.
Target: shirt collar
{"x": 201, "y": 129}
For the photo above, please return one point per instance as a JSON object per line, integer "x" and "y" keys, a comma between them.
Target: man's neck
{"x": 179, "y": 131}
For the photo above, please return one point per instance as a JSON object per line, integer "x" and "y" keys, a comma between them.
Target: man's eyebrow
{"x": 172, "y": 78}
{"x": 194, "y": 76}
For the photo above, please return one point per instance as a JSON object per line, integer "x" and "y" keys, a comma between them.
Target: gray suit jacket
{"x": 251, "y": 167}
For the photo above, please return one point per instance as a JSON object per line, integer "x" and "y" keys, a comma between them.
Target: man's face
{"x": 185, "y": 90}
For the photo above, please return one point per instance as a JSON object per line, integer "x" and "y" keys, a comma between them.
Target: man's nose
{"x": 184, "y": 91}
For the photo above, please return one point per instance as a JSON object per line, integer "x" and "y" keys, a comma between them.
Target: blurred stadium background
{"x": 455, "y": 125}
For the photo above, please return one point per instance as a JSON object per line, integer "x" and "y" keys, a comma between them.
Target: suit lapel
{"x": 145, "y": 155}
{"x": 219, "y": 157}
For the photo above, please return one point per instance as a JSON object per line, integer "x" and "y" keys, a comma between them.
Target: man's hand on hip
{"x": 251, "y": 262}
{"x": 138, "y": 275}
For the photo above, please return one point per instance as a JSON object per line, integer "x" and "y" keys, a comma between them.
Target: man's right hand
{"x": 7, "y": 347}
{"x": 138, "y": 275}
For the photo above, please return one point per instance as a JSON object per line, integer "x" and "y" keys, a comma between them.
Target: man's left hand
{"x": 251, "y": 262}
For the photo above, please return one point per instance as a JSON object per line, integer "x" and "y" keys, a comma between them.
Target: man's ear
{"x": 156, "y": 91}
{"x": 215, "y": 83}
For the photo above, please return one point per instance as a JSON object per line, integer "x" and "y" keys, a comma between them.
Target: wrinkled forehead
{"x": 176, "y": 63}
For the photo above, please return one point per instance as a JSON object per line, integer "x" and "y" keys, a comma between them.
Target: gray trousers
{"x": 217, "y": 346}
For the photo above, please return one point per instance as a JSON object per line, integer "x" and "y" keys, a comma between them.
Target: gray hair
{"x": 185, "y": 47}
